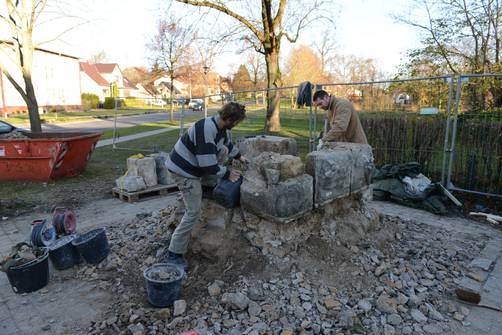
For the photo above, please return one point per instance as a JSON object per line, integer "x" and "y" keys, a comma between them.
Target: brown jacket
{"x": 344, "y": 122}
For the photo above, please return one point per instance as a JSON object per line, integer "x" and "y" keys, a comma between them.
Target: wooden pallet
{"x": 156, "y": 190}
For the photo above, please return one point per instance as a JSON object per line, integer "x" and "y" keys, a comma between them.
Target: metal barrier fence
{"x": 475, "y": 152}
{"x": 432, "y": 120}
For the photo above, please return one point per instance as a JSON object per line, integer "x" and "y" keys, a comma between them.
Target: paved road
{"x": 108, "y": 124}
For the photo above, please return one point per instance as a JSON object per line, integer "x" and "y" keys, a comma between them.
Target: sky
{"x": 122, "y": 28}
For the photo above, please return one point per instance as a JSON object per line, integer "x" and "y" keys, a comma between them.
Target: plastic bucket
{"x": 64, "y": 221}
{"x": 31, "y": 276}
{"x": 227, "y": 193}
{"x": 93, "y": 245}
{"x": 163, "y": 293}
{"x": 63, "y": 254}
{"x": 42, "y": 233}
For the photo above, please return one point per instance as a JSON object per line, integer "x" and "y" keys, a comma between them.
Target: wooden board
{"x": 156, "y": 190}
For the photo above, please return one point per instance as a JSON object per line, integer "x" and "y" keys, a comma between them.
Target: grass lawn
{"x": 66, "y": 116}
{"x": 107, "y": 164}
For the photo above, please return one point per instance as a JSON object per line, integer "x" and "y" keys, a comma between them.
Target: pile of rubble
{"x": 305, "y": 256}
{"x": 397, "y": 280}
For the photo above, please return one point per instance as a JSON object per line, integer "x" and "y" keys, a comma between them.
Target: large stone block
{"x": 163, "y": 175}
{"x": 253, "y": 146}
{"x": 283, "y": 201}
{"x": 143, "y": 167}
{"x": 339, "y": 169}
{"x": 131, "y": 183}
{"x": 275, "y": 167}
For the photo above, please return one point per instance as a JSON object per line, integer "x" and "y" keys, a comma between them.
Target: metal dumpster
{"x": 45, "y": 156}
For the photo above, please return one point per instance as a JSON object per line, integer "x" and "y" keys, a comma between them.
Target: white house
{"x": 56, "y": 80}
{"x": 91, "y": 81}
{"x": 99, "y": 78}
{"x": 163, "y": 86}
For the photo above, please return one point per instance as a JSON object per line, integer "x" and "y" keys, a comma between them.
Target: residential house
{"x": 99, "y": 79}
{"x": 162, "y": 86}
{"x": 91, "y": 81}
{"x": 56, "y": 80}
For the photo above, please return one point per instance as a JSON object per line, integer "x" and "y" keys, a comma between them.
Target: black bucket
{"x": 63, "y": 254}
{"x": 163, "y": 293}
{"x": 227, "y": 193}
{"x": 31, "y": 276}
{"x": 93, "y": 245}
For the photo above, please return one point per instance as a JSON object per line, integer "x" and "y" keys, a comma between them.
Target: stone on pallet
{"x": 143, "y": 167}
{"x": 339, "y": 169}
{"x": 253, "y": 146}
{"x": 164, "y": 177}
{"x": 283, "y": 201}
{"x": 131, "y": 183}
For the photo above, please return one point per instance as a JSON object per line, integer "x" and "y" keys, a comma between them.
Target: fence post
{"x": 454, "y": 131}
{"x": 447, "y": 132}
{"x": 115, "y": 124}
{"x": 182, "y": 117}
{"x": 311, "y": 144}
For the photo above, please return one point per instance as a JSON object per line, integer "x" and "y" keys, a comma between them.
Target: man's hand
{"x": 234, "y": 176}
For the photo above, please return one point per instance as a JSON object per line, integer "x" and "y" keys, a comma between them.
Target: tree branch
{"x": 301, "y": 24}
{"x": 277, "y": 22}
{"x": 225, "y": 10}
{"x": 15, "y": 84}
{"x": 62, "y": 33}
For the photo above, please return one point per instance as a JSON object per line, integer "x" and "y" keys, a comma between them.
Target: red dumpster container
{"x": 45, "y": 156}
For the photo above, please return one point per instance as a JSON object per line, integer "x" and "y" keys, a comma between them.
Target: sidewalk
{"x": 109, "y": 141}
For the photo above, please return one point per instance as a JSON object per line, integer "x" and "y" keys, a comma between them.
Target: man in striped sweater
{"x": 194, "y": 156}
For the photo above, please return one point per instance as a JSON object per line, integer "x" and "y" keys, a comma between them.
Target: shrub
{"x": 89, "y": 101}
{"x": 109, "y": 103}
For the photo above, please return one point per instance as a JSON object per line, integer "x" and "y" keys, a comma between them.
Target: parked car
{"x": 6, "y": 128}
{"x": 196, "y": 104}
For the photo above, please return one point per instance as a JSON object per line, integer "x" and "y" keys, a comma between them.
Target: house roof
{"x": 106, "y": 67}
{"x": 92, "y": 71}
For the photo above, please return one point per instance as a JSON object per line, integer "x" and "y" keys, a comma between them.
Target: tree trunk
{"x": 273, "y": 121}
{"x": 31, "y": 99}
{"x": 171, "y": 89}
{"x": 32, "y": 105}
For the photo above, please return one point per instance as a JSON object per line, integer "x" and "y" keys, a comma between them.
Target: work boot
{"x": 177, "y": 259}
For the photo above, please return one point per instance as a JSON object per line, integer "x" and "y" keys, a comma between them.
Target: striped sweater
{"x": 194, "y": 155}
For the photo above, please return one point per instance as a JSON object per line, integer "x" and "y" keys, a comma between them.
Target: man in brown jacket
{"x": 344, "y": 122}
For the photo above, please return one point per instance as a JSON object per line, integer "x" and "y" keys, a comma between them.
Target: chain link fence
{"x": 451, "y": 125}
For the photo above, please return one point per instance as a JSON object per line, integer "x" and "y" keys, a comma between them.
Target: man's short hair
{"x": 320, "y": 95}
{"x": 233, "y": 111}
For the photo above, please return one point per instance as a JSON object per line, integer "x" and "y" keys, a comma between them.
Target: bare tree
{"x": 465, "y": 35}
{"x": 255, "y": 67}
{"x": 263, "y": 28}
{"x": 325, "y": 48}
{"x": 99, "y": 57}
{"x": 460, "y": 36}
{"x": 21, "y": 18}
{"x": 169, "y": 46}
